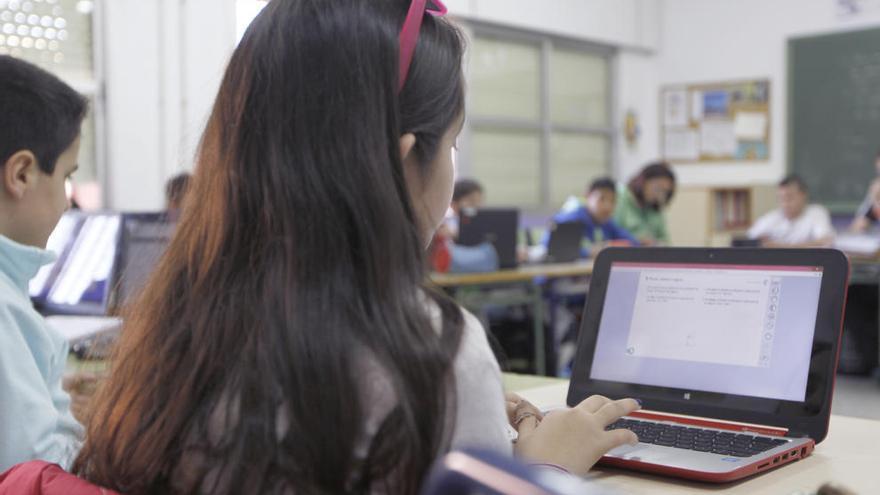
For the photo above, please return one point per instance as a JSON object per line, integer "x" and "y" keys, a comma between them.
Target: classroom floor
{"x": 857, "y": 396}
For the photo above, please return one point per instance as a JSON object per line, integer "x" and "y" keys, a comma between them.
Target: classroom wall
{"x": 163, "y": 61}
{"x": 718, "y": 40}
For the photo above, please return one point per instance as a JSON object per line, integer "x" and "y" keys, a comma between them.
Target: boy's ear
{"x": 19, "y": 173}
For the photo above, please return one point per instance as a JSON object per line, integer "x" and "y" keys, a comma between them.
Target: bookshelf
{"x": 713, "y": 216}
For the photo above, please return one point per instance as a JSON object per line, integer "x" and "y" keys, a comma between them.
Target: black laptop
{"x": 564, "y": 243}
{"x": 142, "y": 241}
{"x": 498, "y": 226}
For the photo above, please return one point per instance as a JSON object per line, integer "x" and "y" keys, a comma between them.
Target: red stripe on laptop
{"x": 718, "y": 266}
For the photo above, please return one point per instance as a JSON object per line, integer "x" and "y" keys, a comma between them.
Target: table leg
{"x": 540, "y": 337}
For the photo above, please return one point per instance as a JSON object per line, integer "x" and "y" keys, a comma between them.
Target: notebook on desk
{"x": 732, "y": 351}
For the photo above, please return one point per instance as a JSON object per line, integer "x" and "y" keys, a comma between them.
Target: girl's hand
{"x": 575, "y": 438}
{"x": 81, "y": 386}
{"x": 518, "y": 409}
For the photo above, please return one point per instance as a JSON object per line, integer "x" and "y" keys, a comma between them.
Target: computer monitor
{"x": 79, "y": 282}
{"x": 564, "y": 243}
{"x": 142, "y": 241}
{"x": 495, "y": 225}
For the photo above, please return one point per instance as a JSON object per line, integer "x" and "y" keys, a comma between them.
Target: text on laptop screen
{"x": 731, "y": 329}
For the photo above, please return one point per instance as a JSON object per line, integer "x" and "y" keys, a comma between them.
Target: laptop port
{"x": 776, "y": 461}
{"x": 784, "y": 456}
{"x": 794, "y": 453}
{"x": 803, "y": 451}
{"x": 762, "y": 466}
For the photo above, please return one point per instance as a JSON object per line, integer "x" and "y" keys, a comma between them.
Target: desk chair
{"x": 474, "y": 472}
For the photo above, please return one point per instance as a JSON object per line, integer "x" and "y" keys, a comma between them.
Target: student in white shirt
{"x": 796, "y": 223}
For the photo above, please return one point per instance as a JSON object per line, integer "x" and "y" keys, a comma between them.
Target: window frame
{"x": 546, "y": 43}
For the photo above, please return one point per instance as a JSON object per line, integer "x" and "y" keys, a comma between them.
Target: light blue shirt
{"x": 35, "y": 419}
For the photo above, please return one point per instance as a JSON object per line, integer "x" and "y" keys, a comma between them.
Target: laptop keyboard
{"x": 698, "y": 439}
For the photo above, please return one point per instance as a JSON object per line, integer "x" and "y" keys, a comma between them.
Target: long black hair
{"x": 241, "y": 368}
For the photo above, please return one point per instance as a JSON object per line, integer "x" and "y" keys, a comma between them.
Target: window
{"x": 539, "y": 117}
{"x": 58, "y": 35}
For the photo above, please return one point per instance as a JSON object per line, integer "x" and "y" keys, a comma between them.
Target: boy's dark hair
{"x": 176, "y": 188}
{"x": 38, "y": 112}
{"x": 464, "y": 188}
{"x": 603, "y": 184}
{"x": 794, "y": 180}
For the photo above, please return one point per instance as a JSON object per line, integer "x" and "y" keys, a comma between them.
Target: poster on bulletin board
{"x": 716, "y": 122}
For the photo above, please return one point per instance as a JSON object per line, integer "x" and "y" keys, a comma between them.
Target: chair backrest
{"x": 473, "y": 472}
{"x": 43, "y": 478}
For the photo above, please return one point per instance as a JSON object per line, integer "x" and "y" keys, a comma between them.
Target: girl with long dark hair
{"x": 287, "y": 342}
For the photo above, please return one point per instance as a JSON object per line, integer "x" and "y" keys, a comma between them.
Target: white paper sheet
{"x": 681, "y": 145}
{"x": 750, "y": 126}
{"x": 696, "y": 106}
{"x": 675, "y": 108}
{"x": 717, "y": 138}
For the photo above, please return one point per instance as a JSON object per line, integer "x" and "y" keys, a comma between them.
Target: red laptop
{"x": 733, "y": 353}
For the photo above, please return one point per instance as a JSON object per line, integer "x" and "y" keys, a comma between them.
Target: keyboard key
{"x": 700, "y": 440}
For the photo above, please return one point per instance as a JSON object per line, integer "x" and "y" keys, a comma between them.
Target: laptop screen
{"x": 143, "y": 241}
{"x": 733, "y": 329}
{"x": 79, "y": 281}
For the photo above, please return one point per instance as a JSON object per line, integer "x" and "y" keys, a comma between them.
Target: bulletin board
{"x": 716, "y": 122}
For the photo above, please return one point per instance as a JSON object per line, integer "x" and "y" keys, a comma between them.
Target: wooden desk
{"x": 527, "y": 275}
{"x": 848, "y": 456}
{"x": 521, "y": 274}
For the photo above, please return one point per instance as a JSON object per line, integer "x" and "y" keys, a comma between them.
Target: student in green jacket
{"x": 641, "y": 203}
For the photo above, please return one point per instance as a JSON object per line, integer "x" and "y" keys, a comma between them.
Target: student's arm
{"x": 823, "y": 230}
{"x": 619, "y": 233}
{"x": 34, "y": 421}
{"x": 865, "y": 206}
{"x": 662, "y": 230}
{"x": 481, "y": 415}
{"x": 761, "y": 228}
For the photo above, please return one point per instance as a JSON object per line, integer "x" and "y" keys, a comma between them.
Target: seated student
{"x": 288, "y": 342}
{"x": 596, "y": 214}
{"x": 640, "y": 205}
{"x": 449, "y": 256}
{"x": 467, "y": 194}
{"x": 869, "y": 212}
{"x": 40, "y": 119}
{"x": 796, "y": 223}
{"x": 866, "y": 215}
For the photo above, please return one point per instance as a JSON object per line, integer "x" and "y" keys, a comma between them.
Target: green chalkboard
{"x": 834, "y": 114}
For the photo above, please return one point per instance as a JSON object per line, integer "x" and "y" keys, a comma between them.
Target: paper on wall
{"x": 696, "y": 106}
{"x": 750, "y": 126}
{"x": 717, "y": 138}
{"x": 681, "y": 145}
{"x": 675, "y": 108}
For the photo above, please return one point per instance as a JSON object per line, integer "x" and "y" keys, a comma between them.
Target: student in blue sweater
{"x": 596, "y": 214}
{"x": 40, "y": 120}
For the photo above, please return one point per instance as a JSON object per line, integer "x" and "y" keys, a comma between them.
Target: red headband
{"x": 409, "y": 33}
